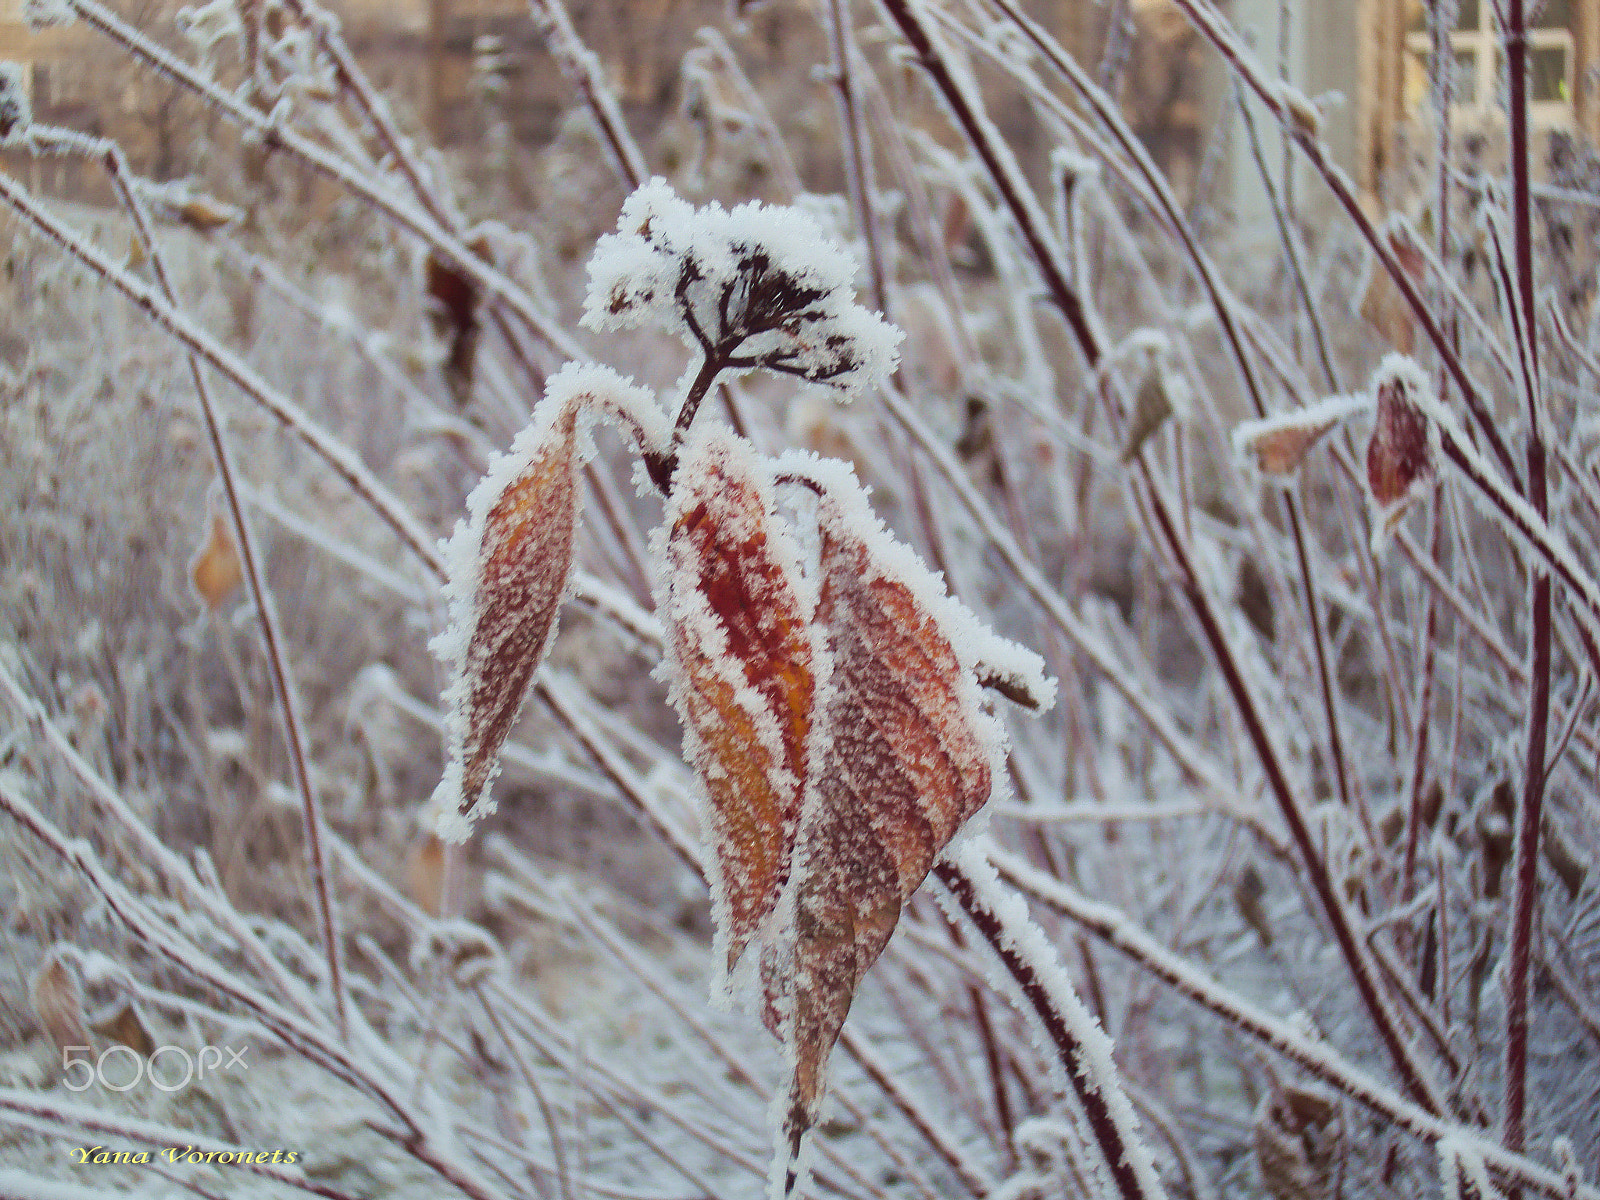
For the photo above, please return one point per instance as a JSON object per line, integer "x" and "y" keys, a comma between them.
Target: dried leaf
{"x": 123, "y": 1023}
{"x": 1399, "y": 454}
{"x": 57, "y": 1001}
{"x": 524, "y": 559}
{"x": 1249, "y": 892}
{"x": 215, "y": 570}
{"x": 1299, "y": 1138}
{"x": 454, "y": 307}
{"x": 1279, "y": 444}
{"x": 744, "y": 680}
{"x": 425, "y": 872}
{"x": 1383, "y": 305}
{"x": 1151, "y": 408}
{"x": 509, "y": 567}
{"x": 902, "y": 755}
{"x": 205, "y": 215}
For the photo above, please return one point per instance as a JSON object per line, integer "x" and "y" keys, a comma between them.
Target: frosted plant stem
{"x": 230, "y": 366}
{"x": 283, "y": 683}
{"x": 558, "y": 1143}
{"x": 1004, "y": 170}
{"x": 278, "y": 136}
{"x": 1215, "y": 29}
{"x": 1314, "y": 1056}
{"x": 582, "y": 69}
{"x": 153, "y": 851}
{"x": 858, "y": 160}
{"x": 306, "y": 1038}
{"x": 1188, "y": 755}
{"x": 1403, "y": 1055}
{"x": 1525, "y": 892}
{"x": 925, "y": 1123}
{"x": 1225, "y": 307}
{"x": 1083, "y": 1047}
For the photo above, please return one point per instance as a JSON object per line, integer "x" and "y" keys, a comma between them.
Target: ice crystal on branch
{"x": 740, "y": 665}
{"x": 755, "y": 287}
{"x": 510, "y": 563}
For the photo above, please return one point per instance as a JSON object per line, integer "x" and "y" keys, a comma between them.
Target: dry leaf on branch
{"x": 1279, "y": 444}
{"x": 903, "y": 752}
{"x": 509, "y": 567}
{"x": 454, "y": 302}
{"x": 740, "y": 665}
{"x": 215, "y": 569}
{"x": 58, "y": 1001}
{"x": 1400, "y": 452}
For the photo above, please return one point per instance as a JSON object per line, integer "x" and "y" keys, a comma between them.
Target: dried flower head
{"x": 757, "y": 287}
{"x": 16, "y": 112}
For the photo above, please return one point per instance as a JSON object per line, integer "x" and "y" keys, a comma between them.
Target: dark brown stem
{"x": 1006, "y": 175}
{"x": 1206, "y": 20}
{"x": 1526, "y": 887}
{"x": 662, "y": 466}
{"x": 1096, "y": 1106}
{"x": 1411, "y": 1073}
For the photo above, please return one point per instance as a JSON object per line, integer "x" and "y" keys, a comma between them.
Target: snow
{"x": 761, "y": 285}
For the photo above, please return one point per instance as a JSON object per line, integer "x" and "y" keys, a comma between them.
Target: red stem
{"x": 1526, "y": 870}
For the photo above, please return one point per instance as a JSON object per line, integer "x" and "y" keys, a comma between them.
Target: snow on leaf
{"x": 509, "y": 567}
{"x": 902, "y": 754}
{"x": 742, "y": 673}
{"x": 1279, "y": 444}
{"x": 1400, "y": 452}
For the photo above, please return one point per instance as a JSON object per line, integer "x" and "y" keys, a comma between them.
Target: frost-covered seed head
{"x": 16, "y": 114}
{"x": 757, "y": 287}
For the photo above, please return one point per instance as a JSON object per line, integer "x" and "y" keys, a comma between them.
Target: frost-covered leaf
{"x": 1383, "y": 305}
{"x": 215, "y": 570}
{"x": 509, "y": 565}
{"x": 904, "y": 751}
{"x": 1399, "y": 454}
{"x": 454, "y": 308}
{"x": 123, "y": 1023}
{"x": 740, "y": 655}
{"x": 1299, "y": 1138}
{"x": 58, "y": 1000}
{"x": 1279, "y": 444}
{"x": 1152, "y": 405}
{"x": 757, "y": 286}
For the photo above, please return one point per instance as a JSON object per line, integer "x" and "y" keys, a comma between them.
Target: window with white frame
{"x": 1479, "y": 61}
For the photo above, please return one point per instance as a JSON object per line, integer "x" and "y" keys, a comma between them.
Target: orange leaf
{"x": 215, "y": 569}
{"x": 744, "y": 682}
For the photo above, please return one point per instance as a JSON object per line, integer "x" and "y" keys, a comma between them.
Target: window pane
{"x": 1557, "y": 14}
{"x": 1464, "y": 88}
{"x": 1466, "y": 14}
{"x": 1547, "y": 65}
